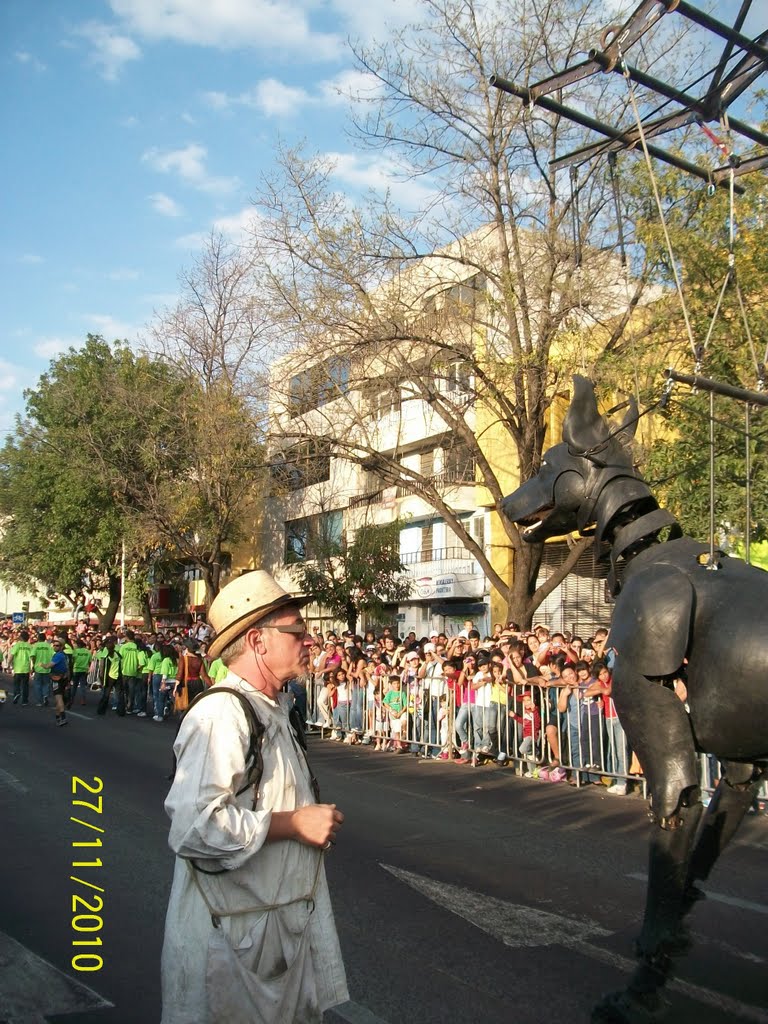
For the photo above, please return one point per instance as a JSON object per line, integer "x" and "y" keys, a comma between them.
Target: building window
{"x": 427, "y": 542}
{"x": 458, "y": 464}
{"x": 458, "y": 378}
{"x": 317, "y": 385}
{"x": 477, "y": 530}
{"x": 314, "y": 537}
{"x": 305, "y": 463}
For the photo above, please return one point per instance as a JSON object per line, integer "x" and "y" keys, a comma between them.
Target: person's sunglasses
{"x": 294, "y": 627}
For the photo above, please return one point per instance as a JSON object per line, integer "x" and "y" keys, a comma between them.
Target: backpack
{"x": 254, "y": 762}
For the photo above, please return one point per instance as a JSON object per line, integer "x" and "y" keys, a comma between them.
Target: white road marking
{"x": 35, "y": 989}
{"x": 732, "y": 901}
{"x": 520, "y": 926}
{"x": 76, "y": 714}
{"x": 13, "y": 782}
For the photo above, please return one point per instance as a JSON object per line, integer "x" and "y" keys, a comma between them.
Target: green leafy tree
{"x": 728, "y": 319}
{"x": 182, "y": 460}
{"x": 354, "y": 579}
{"x": 59, "y": 524}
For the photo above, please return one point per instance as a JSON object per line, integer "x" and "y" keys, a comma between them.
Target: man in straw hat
{"x": 249, "y": 935}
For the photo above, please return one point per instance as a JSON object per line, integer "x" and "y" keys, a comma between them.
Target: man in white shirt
{"x": 249, "y": 935}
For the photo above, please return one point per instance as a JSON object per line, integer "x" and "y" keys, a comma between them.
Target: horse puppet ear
{"x": 583, "y": 427}
{"x": 626, "y": 430}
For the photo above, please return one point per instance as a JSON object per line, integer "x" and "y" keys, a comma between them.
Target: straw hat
{"x": 242, "y": 603}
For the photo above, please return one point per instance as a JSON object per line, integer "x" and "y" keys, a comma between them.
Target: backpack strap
{"x": 254, "y": 762}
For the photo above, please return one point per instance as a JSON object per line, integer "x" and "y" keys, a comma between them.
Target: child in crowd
{"x": 396, "y": 704}
{"x": 530, "y": 720}
{"x": 168, "y": 668}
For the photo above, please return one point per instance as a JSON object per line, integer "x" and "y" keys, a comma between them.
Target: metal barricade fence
{"x": 583, "y": 744}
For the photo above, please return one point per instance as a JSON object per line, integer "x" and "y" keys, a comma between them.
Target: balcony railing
{"x": 452, "y": 554}
{"x": 369, "y": 498}
{"x": 446, "y": 478}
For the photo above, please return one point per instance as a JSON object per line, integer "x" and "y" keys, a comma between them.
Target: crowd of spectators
{"x": 537, "y": 701}
{"x": 152, "y": 674}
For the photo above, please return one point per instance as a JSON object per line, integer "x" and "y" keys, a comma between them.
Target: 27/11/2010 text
{"x": 86, "y": 912}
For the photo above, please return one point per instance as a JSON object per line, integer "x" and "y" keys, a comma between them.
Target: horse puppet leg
{"x": 730, "y": 802}
{"x": 658, "y": 729}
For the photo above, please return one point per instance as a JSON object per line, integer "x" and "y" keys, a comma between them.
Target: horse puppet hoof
{"x": 628, "y": 1008}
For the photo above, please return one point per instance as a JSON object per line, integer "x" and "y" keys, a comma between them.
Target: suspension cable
{"x": 711, "y": 564}
{"x": 575, "y": 215}
{"x": 748, "y": 484}
{"x": 614, "y": 176}
{"x": 657, "y": 197}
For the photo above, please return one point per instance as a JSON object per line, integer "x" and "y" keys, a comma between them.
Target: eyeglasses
{"x": 297, "y": 628}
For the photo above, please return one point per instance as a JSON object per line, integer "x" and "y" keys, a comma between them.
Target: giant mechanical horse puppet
{"x": 677, "y": 613}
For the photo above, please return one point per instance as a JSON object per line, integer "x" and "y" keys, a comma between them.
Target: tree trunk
{"x": 107, "y": 617}
{"x": 351, "y": 616}
{"x": 146, "y": 611}
{"x": 520, "y": 606}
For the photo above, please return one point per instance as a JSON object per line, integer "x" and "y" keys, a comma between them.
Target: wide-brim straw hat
{"x": 242, "y": 603}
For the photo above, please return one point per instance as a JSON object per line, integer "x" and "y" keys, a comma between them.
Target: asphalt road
{"x": 462, "y": 895}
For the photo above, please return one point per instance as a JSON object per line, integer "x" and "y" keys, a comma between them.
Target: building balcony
{"x": 437, "y": 561}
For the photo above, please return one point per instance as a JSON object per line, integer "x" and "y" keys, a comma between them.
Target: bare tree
{"x": 474, "y": 309}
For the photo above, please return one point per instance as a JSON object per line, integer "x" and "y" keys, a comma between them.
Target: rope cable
{"x": 575, "y": 215}
{"x": 614, "y": 176}
{"x": 657, "y": 197}
{"x": 711, "y": 564}
{"x": 748, "y": 483}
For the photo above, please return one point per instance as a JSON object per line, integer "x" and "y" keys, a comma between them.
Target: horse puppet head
{"x": 585, "y": 482}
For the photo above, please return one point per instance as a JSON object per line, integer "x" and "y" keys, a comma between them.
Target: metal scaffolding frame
{"x": 724, "y": 88}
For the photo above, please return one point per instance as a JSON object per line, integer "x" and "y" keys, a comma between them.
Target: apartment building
{"x": 388, "y": 419}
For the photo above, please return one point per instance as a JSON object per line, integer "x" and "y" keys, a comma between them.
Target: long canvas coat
{"x": 278, "y": 959}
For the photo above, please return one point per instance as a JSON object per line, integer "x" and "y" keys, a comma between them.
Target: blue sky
{"x": 130, "y": 129}
{"x": 133, "y": 127}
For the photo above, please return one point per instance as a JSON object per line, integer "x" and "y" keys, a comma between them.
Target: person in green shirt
{"x": 21, "y": 666}
{"x": 113, "y": 679}
{"x": 168, "y": 669}
{"x": 154, "y": 678}
{"x": 41, "y": 657}
{"x": 130, "y": 662}
{"x": 81, "y": 661}
{"x": 217, "y": 670}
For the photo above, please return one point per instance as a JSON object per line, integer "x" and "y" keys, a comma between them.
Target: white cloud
{"x": 235, "y": 226}
{"x": 10, "y": 376}
{"x": 376, "y": 18}
{"x": 108, "y": 327}
{"x": 189, "y": 164}
{"x": 270, "y": 97}
{"x": 229, "y": 24}
{"x": 129, "y": 122}
{"x": 277, "y": 100}
{"x": 349, "y": 86}
{"x": 217, "y": 100}
{"x": 30, "y": 258}
{"x": 380, "y": 174}
{"x": 47, "y": 348}
{"x": 28, "y": 58}
{"x": 274, "y": 98}
{"x": 164, "y": 205}
{"x": 111, "y": 50}
{"x": 124, "y": 274}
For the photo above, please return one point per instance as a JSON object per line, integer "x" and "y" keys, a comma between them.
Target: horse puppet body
{"x": 679, "y": 612}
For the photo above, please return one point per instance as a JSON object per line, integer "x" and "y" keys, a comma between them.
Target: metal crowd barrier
{"x": 586, "y": 744}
